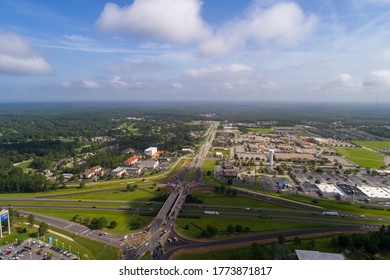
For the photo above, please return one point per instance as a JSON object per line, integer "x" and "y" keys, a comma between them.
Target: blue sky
{"x": 263, "y": 50}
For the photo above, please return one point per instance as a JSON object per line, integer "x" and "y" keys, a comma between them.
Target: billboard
{"x": 4, "y": 217}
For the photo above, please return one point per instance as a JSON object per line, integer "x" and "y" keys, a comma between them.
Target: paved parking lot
{"x": 335, "y": 179}
{"x": 32, "y": 249}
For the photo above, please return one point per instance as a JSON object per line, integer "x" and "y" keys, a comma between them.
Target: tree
{"x": 317, "y": 181}
{"x": 31, "y": 219}
{"x": 344, "y": 241}
{"x": 297, "y": 241}
{"x": 101, "y": 222}
{"x": 186, "y": 227}
{"x": 212, "y": 230}
{"x": 256, "y": 252}
{"x": 230, "y": 229}
{"x": 281, "y": 239}
{"x": 235, "y": 256}
{"x": 208, "y": 173}
{"x": 82, "y": 185}
{"x": 246, "y": 229}
{"x": 234, "y": 192}
{"x": 77, "y": 218}
{"x": 238, "y": 228}
{"x": 113, "y": 224}
{"x": 230, "y": 181}
{"x": 86, "y": 220}
{"x": 43, "y": 228}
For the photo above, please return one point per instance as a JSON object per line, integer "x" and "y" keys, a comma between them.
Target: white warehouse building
{"x": 150, "y": 151}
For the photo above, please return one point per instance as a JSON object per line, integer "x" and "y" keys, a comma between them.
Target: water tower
{"x": 271, "y": 157}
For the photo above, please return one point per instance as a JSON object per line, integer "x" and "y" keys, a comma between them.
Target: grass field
{"x": 256, "y": 225}
{"x": 376, "y": 145}
{"x": 224, "y": 152}
{"x": 123, "y": 218}
{"x": 362, "y": 157}
{"x": 259, "y": 130}
{"x": 331, "y": 205}
{"x": 138, "y": 195}
{"x": 322, "y": 244}
{"x": 209, "y": 164}
{"x": 217, "y": 199}
{"x": 25, "y": 165}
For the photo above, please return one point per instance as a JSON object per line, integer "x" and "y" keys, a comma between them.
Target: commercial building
{"x": 230, "y": 173}
{"x": 150, "y": 151}
{"x": 329, "y": 190}
{"x": 148, "y": 164}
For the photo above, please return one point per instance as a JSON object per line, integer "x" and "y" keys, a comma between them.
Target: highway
{"x": 160, "y": 237}
{"x": 270, "y": 236}
{"x": 164, "y": 223}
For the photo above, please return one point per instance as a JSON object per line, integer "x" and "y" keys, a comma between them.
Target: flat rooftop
{"x": 316, "y": 255}
{"x": 375, "y": 192}
{"x": 329, "y": 188}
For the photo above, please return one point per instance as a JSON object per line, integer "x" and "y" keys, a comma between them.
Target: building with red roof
{"x": 130, "y": 161}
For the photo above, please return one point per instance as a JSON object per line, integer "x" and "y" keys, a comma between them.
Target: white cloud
{"x": 378, "y": 78}
{"x": 343, "y": 81}
{"x": 270, "y": 85}
{"x": 234, "y": 69}
{"x": 283, "y": 25}
{"x": 175, "y": 20}
{"x": 177, "y": 85}
{"x": 203, "y": 71}
{"x": 90, "y": 84}
{"x": 119, "y": 83}
{"x": 17, "y": 57}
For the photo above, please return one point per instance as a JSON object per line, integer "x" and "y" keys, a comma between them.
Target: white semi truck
{"x": 211, "y": 213}
{"x": 330, "y": 213}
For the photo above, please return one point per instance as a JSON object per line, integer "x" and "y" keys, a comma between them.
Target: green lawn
{"x": 209, "y": 164}
{"x": 25, "y": 165}
{"x": 123, "y": 218}
{"x": 376, "y": 145}
{"x": 224, "y": 152}
{"x": 217, "y": 199}
{"x": 362, "y": 157}
{"x": 322, "y": 244}
{"x": 256, "y": 225}
{"x": 138, "y": 195}
{"x": 259, "y": 130}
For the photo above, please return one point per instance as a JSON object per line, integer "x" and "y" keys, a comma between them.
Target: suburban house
{"x": 118, "y": 172}
{"x": 94, "y": 171}
{"x": 130, "y": 161}
{"x": 128, "y": 151}
{"x": 133, "y": 170}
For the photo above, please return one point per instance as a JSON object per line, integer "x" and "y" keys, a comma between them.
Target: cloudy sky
{"x": 263, "y": 50}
